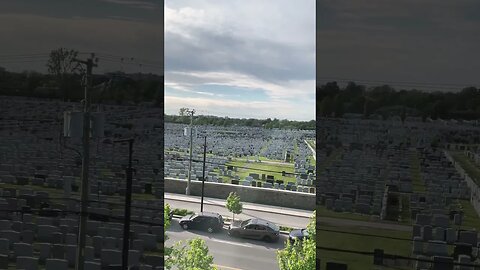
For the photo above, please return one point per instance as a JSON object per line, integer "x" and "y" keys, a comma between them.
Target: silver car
{"x": 255, "y": 228}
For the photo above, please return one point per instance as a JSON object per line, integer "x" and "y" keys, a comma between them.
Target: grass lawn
{"x": 471, "y": 219}
{"x": 359, "y": 243}
{"x": 322, "y": 211}
{"x": 325, "y": 163}
{"x": 470, "y": 167}
{"x": 255, "y": 167}
{"x": 418, "y": 185}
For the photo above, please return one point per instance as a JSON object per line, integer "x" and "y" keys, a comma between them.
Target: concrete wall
{"x": 267, "y": 196}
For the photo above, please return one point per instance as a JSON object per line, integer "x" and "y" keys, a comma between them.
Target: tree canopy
{"x": 250, "y": 122}
{"x": 301, "y": 254}
{"x": 384, "y": 100}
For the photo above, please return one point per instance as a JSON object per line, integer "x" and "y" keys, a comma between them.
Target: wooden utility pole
{"x": 85, "y": 162}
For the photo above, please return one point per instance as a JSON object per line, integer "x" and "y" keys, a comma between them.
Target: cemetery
{"x": 246, "y": 156}
{"x": 40, "y": 173}
{"x": 392, "y": 173}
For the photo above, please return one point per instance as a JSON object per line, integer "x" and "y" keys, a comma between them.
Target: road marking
{"x": 231, "y": 243}
{"x": 227, "y": 267}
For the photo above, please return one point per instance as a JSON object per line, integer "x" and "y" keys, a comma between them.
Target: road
{"x": 231, "y": 253}
{"x": 293, "y": 218}
{"x": 311, "y": 149}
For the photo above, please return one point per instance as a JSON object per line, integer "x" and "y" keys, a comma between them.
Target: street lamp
{"x": 203, "y": 177}
{"x": 191, "y": 112}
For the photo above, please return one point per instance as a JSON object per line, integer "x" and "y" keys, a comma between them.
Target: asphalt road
{"x": 231, "y": 253}
{"x": 281, "y": 216}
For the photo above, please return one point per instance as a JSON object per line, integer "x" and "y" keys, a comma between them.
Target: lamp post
{"x": 191, "y": 112}
{"x": 203, "y": 177}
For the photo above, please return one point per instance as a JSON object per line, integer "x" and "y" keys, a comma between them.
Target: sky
{"x": 113, "y": 29}
{"x": 241, "y": 58}
{"x": 428, "y": 41}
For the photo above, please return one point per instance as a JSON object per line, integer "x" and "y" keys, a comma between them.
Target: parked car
{"x": 297, "y": 235}
{"x": 204, "y": 221}
{"x": 255, "y": 228}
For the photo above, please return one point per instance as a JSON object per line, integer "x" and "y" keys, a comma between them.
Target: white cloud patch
{"x": 265, "y": 46}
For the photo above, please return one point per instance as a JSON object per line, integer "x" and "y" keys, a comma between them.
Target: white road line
{"x": 226, "y": 267}
{"x": 231, "y": 243}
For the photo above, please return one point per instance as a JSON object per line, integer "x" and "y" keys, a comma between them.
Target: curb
{"x": 245, "y": 207}
{"x": 226, "y": 223}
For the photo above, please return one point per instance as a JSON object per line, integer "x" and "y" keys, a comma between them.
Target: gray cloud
{"x": 93, "y": 26}
{"x": 425, "y": 41}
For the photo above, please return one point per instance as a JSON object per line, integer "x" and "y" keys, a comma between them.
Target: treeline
{"x": 119, "y": 88}
{"x": 334, "y": 101}
{"x": 250, "y": 122}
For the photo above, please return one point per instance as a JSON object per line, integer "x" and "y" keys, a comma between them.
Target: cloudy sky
{"x": 241, "y": 58}
{"x": 115, "y": 29}
{"x": 428, "y": 41}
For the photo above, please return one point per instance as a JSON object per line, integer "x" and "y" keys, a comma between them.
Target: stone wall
{"x": 267, "y": 196}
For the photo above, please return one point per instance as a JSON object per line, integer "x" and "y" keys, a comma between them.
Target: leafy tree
{"x": 233, "y": 204}
{"x": 326, "y": 107}
{"x": 301, "y": 254}
{"x": 166, "y": 219}
{"x": 193, "y": 256}
{"x": 62, "y": 66}
{"x": 166, "y": 222}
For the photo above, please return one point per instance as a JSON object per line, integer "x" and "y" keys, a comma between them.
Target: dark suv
{"x": 205, "y": 221}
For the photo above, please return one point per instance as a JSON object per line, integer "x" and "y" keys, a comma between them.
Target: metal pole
{"x": 203, "y": 177}
{"x": 189, "y": 175}
{"x": 128, "y": 202}
{"x": 85, "y": 168}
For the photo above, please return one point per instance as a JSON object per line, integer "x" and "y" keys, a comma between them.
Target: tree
{"x": 61, "y": 64}
{"x": 166, "y": 222}
{"x": 301, "y": 254}
{"x": 193, "y": 256}
{"x": 233, "y": 204}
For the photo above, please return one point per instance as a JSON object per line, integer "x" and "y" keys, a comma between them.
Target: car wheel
{"x": 210, "y": 230}
{"x": 185, "y": 226}
{"x": 233, "y": 234}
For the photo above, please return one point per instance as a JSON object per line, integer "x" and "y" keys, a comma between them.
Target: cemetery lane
{"x": 231, "y": 253}
{"x": 294, "y": 218}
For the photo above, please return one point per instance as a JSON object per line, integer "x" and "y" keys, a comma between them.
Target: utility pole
{"x": 128, "y": 203}
{"x": 85, "y": 160}
{"x": 203, "y": 177}
{"x": 187, "y": 191}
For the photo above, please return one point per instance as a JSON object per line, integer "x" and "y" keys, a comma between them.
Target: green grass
{"x": 261, "y": 158}
{"x": 181, "y": 212}
{"x": 405, "y": 215}
{"x": 469, "y": 166}
{"x": 255, "y": 167}
{"x": 470, "y": 219}
{"x": 322, "y": 211}
{"x": 329, "y": 160}
{"x": 359, "y": 243}
{"x": 312, "y": 143}
{"x": 418, "y": 185}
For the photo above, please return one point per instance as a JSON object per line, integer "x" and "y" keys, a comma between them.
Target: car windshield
{"x": 273, "y": 227}
{"x": 245, "y": 223}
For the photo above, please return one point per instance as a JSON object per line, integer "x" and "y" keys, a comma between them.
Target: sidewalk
{"x": 246, "y": 205}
